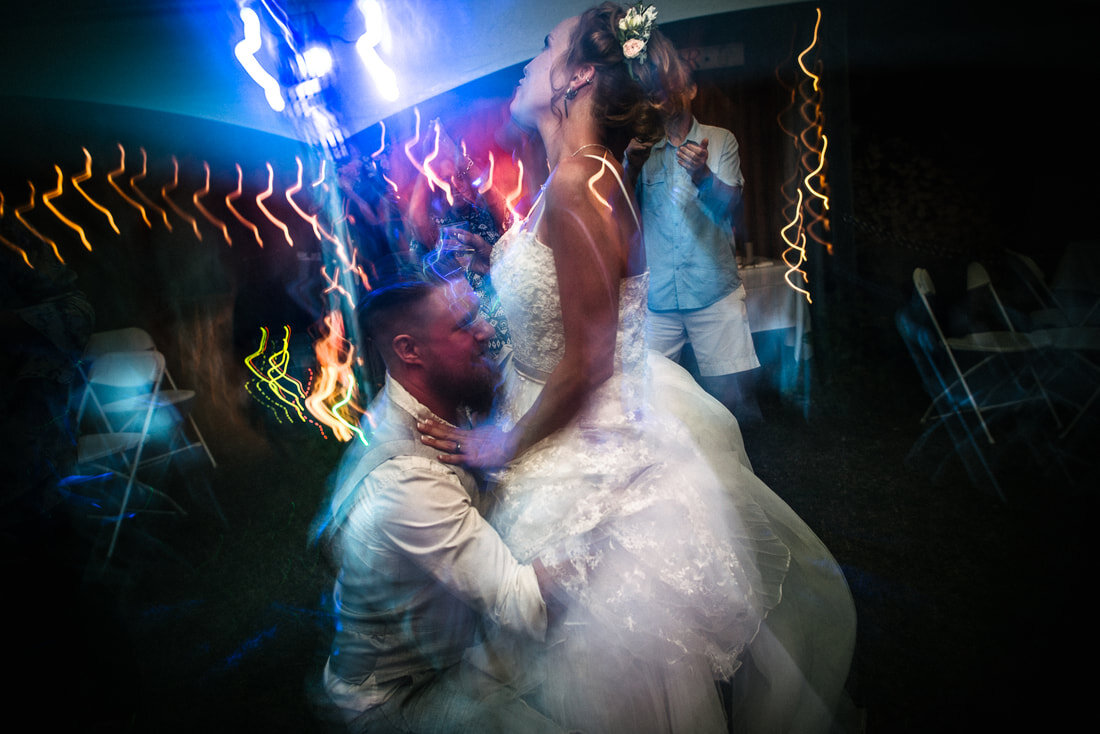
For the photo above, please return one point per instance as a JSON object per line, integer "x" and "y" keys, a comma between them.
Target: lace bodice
{"x": 526, "y": 282}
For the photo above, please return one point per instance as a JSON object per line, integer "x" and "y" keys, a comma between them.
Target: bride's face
{"x": 542, "y": 76}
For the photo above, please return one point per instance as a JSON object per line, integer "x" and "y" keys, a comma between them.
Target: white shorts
{"x": 719, "y": 335}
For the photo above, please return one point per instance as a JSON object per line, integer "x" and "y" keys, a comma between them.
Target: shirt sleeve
{"x": 422, "y": 509}
{"x": 725, "y": 157}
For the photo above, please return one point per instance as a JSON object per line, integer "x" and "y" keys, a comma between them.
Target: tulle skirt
{"x": 676, "y": 564}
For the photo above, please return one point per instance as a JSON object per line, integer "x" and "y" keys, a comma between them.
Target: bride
{"x": 676, "y": 565}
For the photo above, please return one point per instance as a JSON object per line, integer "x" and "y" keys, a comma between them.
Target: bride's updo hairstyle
{"x": 630, "y": 97}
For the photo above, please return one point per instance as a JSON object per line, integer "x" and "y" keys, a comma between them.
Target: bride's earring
{"x": 571, "y": 94}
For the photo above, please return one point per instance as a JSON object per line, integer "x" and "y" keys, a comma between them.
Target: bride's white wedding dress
{"x": 679, "y": 557}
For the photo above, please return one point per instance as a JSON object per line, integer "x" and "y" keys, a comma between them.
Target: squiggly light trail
{"x": 335, "y": 390}
{"x": 433, "y": 179}
{"x": 265, "y": 195}
{"x": 204, "y": 211}
{"x": 149, "y": 202}
{"x": 171, "y": 186}
{"x": 19, "y": 211}
{"x": 511, "y": 199}
{"x": 87, "y": 174}
{"x": 47, "y": 200}
{"x": 287, "y": 398}
{"x": 127, "y": 199}
{"x": 233, "y": 196}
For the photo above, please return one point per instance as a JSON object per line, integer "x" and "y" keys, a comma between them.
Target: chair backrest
{"x": 977, "y": 277}
{"x": 131, "y": 339}
{"x": 133, "y": 369}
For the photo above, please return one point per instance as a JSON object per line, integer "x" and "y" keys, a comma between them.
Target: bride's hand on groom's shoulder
{"x": 484, "y": 447}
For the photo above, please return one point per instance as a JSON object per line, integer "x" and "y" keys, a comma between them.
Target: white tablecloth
{"x": 772, "y": 304}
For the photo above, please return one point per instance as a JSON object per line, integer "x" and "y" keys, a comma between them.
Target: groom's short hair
{"x": 393, "y": 309}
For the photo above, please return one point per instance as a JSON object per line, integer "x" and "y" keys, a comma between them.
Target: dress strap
{"x": 626, "y": 194}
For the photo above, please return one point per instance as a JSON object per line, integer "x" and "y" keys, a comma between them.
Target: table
{"x": 772, "y": 304}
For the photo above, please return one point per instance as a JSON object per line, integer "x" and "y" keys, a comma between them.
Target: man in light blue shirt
{"x": 689, "y": 188}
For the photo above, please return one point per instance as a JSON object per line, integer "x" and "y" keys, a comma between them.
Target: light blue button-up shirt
{"x": 688, "y": 230}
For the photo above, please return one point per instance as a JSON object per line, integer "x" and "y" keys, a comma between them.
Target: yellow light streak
{"x": 233, "y": 196}
{"x": 592, "y": 187}
{"x": 47, "y": 200}
{"x": 149, "y": 202}
{"x": 20, "y": 211}
{"x": 265, "y": 194}
{"x": 198, "y": 195}
{"x": 87, "y": 174}
{"x": 127, "y": 199}
{"x": 171, "y": 186}
{"x": 820, "y": 166}
{"x": 807, "y": 50}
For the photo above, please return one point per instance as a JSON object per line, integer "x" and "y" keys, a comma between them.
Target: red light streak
{"x": 172, "y": 187}
{"x": 87, "y": 174}
{"x": 203, "y": 210}
{"x": 19, "y": 211}
{"x": 265, "y": 194}
{"x": 133, "y": 186}
{"x": 127, "y": 199}
{"x": 233, "y": 196}
{"x": 46, "y": 199}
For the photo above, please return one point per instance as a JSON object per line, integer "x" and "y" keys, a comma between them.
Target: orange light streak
{"x": 15, "y": 248}
{"x": 267, "y": 194}
{"x": 798, "y": 244}
{"x": 335, "y": 356}
{"x": 19, "y": 211}
{"x": 127, "y": 199}
{"x": 592, "y": 187}
{"x": 87, "y": 174}
{"x": 233, "y": 196}
{"x": 311, "y": 219}
{"x": 334, "y": 285}
{"x": 512, "y": 198}
{"x": 489, "y": 179}
{"x": 46, "y": 199}
{"x": 203, "y": 210}
{"x": 133, "y": 186}
{"x": 433, "y": 178}
{"x": 171, "y": 186}
{"x": 412, "y": 143}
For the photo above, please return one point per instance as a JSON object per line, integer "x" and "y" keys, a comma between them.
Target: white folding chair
{"x": 1061, "y": 340}
{"x": 1001, "y": 383}
{"x": 133, "y": 339}
{"x": 142, "y": 374}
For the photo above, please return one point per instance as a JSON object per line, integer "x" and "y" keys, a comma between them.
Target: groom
{"x": 421, "y": 571}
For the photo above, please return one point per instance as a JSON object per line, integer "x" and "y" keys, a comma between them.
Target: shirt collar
{"x": 692, "y": 134}
{"x": 403, "y": 399}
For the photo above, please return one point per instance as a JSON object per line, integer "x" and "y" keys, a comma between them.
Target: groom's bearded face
{"x": 456, "y": 340}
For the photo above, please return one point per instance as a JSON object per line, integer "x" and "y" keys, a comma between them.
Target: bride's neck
{"x": 563, "y": 137}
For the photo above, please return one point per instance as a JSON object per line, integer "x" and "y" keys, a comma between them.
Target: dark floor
{"x": 969, "y": 611}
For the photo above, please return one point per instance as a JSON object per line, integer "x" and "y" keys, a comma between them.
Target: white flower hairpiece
{"x": 634, "y": 30}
